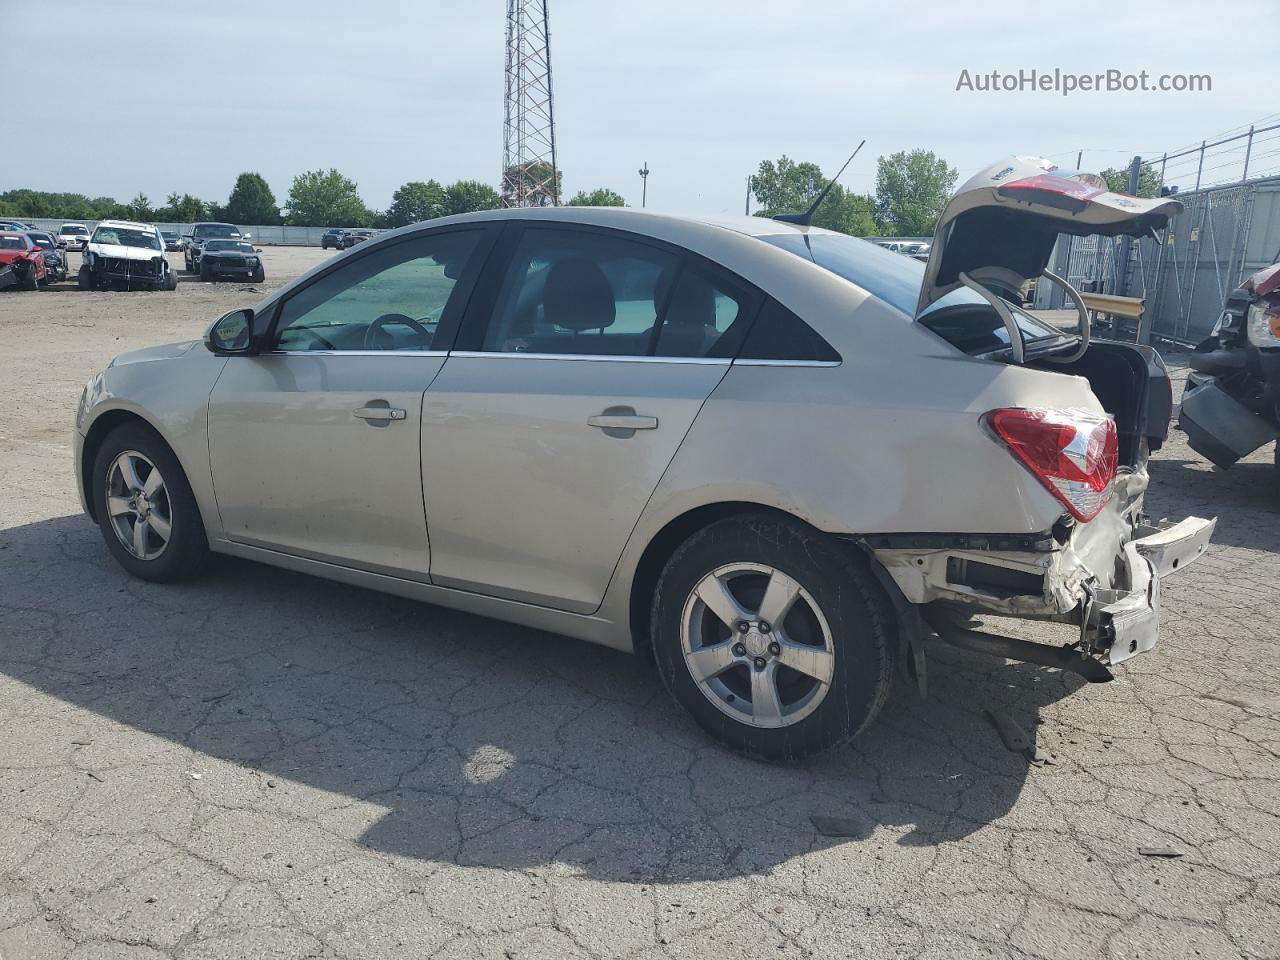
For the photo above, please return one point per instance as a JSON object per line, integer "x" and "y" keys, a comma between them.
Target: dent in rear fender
{"x": 172, "y": 395}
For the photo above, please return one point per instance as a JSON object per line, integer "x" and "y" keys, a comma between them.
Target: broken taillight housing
{"x": 1073, "y": 453}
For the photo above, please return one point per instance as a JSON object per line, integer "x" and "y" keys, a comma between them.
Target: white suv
{"x": 125, "y": 254}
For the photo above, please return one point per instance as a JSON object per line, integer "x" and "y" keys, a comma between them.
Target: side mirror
{"x": 232, "y": 335}
{"x": 257, "y": 249}
{"x": 246, "y": 236}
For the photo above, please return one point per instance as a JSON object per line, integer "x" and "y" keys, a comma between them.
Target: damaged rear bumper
{"x": 1104, "y": 580}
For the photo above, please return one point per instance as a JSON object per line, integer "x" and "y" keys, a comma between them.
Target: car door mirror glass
{"x": 233, "y": 334}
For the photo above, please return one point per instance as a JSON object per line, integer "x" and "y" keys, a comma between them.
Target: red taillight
{"x": 1065, "y": 192}
{"x": 1074, "y": 454}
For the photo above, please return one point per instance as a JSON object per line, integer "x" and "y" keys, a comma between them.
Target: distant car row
{"x": 124, "y": 254}
{"x": 917, "y": 249}
{"x": 343, "y": 239}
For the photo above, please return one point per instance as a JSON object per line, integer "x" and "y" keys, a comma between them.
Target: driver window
{"x": 390, "y": 299}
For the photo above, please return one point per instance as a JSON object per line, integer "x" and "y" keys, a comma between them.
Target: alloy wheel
{"x": 757, "y": 645}
{"x": 139, "y": 506}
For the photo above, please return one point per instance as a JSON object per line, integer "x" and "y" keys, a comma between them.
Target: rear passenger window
{"x": 577, "y": 292}
{"x": 778, "y": 334}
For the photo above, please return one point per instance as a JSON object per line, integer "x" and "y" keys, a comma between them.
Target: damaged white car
{"x": 123, "y": 255}
{"x": 772, "y": 458}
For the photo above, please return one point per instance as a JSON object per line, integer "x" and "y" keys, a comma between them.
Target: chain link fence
{"x": 1185, "y": 273}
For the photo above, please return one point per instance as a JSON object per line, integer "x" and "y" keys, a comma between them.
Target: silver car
{"x": 772, "y": 459}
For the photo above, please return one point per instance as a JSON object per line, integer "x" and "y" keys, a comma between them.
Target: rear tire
{"x": 758, "y": 686}
{"x": 168, "y": 504}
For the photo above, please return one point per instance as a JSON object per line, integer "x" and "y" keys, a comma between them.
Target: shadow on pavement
{"x": 429, "y": 734}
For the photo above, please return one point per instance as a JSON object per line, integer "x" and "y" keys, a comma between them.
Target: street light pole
{"x": 644, "y": 183}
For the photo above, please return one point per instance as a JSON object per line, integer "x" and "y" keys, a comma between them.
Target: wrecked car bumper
{"x": 1104, "y": 578}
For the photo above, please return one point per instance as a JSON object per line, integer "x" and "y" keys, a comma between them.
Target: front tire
{"x": 258, "y": 276}
{"x": 205, "y": 275}
{"x": 30, "y": 281}
{"x": 777, "y": 638}
{"x": 84, "y": 279}
{"x": 145, "y": 508}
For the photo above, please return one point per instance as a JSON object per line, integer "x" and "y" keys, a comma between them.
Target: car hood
{"x": 124, "y": 253}
{"x": 165, "y": 351}
{"x": 1001, "y": 225}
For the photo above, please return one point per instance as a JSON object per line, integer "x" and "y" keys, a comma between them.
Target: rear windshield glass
{"x": 41, "y": 239}
{"x": 962, "y": 318}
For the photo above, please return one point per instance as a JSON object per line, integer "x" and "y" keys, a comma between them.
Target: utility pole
{"x": 530, "y": 176}
{"x": 1126, "y": 243}
{"x": 747, "y": 208}
{"x": 644, "y": 183}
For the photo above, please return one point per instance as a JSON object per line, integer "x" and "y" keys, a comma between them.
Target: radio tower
{"x": 529, "y": 174}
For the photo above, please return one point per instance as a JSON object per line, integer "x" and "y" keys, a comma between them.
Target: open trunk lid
{"x": 1000, "y": 226}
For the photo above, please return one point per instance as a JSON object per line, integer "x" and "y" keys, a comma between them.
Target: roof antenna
{"x": 804, "y": 218}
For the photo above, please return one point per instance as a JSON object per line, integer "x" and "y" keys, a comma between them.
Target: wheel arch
{"x": 99, "y": 430}
{"x": 665, "y": 542}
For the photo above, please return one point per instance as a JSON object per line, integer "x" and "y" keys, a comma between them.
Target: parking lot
{"x": 260, "y": 764}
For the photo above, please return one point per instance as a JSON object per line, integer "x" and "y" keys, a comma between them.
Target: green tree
{"x": 467, "y": 196}
{"x": 183, "y": 209}
{"x": 1118, "y": 180}
{"x": 911, "y": 192}
{"x": 252, "y": 202}
{"x": 139, "y": 208}
{"x": 541, "y": 183}
{"x": 414, "y": 202}
{"x": 324, "y": 198}
{"x": 786, "y": 186}
{"x": 599, "y": 197}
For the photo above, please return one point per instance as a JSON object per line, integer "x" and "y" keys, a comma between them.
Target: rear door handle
{"x": 380, "y": 413}
{"x": 616, "y": 421}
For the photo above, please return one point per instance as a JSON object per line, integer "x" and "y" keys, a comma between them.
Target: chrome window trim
{"x": 355, "y": 353}
{"x": 744, "y": 362}
{"x": 479, "y": 354}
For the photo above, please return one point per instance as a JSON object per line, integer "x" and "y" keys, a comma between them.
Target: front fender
{"x": 171, "y": 395}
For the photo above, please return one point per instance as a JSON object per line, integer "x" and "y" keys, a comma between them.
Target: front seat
{"x": 577, "y": 296}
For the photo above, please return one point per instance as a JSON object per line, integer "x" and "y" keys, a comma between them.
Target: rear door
{"x": 585, "y": 359}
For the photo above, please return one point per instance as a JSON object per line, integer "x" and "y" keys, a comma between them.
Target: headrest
{"x": 693, "y": 302}
{"x": 577, "y": 295}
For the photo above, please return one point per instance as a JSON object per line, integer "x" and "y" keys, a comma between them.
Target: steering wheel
{"x": 375, "y": 328}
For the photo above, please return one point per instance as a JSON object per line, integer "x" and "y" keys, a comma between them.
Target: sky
{"x": 155, "y": 96}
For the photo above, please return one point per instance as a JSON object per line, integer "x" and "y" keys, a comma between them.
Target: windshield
{"x": 216, "y": 230}
{"x": 127, "y": 237}
{"x": 229, "y": 245}
{"x": 896, "y": 280}
{"x": 12, "y": 243}
{"x": 77, "y": 231}
{"x": 41, "y": 240}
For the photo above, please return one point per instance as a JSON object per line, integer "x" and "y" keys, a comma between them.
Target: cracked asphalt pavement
{"x": 262, "y": 765}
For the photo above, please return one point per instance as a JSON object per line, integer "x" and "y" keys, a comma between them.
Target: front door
{"x": 314, "y": 443}
{"x": 575, "y": 380}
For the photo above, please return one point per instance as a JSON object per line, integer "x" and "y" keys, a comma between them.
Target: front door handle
{"x": 614, "y": 421}
{"x": 384, "y": 413}
{"x": 621, "y": 422}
